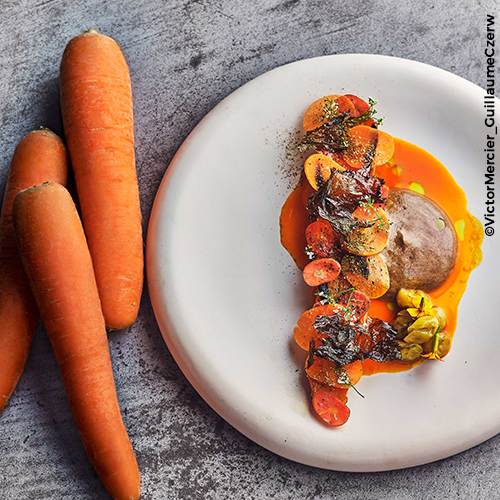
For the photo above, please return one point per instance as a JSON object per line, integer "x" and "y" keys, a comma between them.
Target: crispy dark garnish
{"x": 346, "y": 343}
{"x": 331, "y": 136}
{"x": 341, "y": 195}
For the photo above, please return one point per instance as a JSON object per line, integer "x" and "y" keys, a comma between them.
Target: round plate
{"x": 227, "y": 295}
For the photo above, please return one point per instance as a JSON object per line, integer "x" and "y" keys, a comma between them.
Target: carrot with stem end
{"x": 58, "y": 265}
{"x": 40, "y": 156}
{"x": 96, "y": 105}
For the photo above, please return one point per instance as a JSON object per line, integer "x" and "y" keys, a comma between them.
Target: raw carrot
{"x": 57, "y": 262}
{"x": 96, "y": 104}
{"x": 40, "y": 156}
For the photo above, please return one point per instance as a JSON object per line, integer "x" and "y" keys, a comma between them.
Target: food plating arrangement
{"x": 386, "y": 243}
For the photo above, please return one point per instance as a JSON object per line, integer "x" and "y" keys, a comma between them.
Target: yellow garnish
{"x": 460, "y": 228}
{"x": 435, "y": 344}
{"x": 432, "y": 355}
{"x": 417, "y": 301}
{"x": 418, "y": 188}
{"x": 422, "y": 307}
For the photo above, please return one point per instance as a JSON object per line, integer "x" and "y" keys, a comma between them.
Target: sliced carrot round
{"x": 360, "y": 106}
{"x": 331, "y": 373}
{"x": 370, "y": 123}
{"x": 325, "y": 109}
{"x": 330, "y": 408}
{"x": 318, "y": 169}
{"x": 321, "y": 238}
{"x": 355, "y": 303}
{"x": 305, "y": 330}
{"x": 321, "y": 271}
{"x": 368, "y": 240}
{"x": 334, "y": 391}
{"x": 368, "y": 274}
{"x": 368, "y": 147}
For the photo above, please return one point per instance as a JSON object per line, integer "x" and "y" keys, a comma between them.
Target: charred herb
{"x": 345, "y": 343}
{"x": 341, "y": 195}
{"x": 331, "y": 136}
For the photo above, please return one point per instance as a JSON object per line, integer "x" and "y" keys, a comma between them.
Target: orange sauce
{"x": 410, "y": 168}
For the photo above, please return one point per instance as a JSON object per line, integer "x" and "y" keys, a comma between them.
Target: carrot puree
{"x": 410, "y": 168}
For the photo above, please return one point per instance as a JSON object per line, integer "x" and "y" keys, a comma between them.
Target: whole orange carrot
{"x": 57, "y": 262}
{"x": 96, "y": 104}
{"x": 40, "y": 156}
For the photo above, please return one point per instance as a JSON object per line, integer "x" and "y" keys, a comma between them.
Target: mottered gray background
{"x": 185, "y": 56}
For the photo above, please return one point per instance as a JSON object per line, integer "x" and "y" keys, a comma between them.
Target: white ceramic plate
{"x": 227, "y": 295}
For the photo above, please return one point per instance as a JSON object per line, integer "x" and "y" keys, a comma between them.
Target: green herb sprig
{"x": 369, "y": 113}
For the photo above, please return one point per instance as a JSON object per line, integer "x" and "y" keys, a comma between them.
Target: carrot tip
{"x": 92, "y": 31}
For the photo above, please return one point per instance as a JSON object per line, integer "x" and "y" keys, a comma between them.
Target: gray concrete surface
{"x": 184, "y": 57}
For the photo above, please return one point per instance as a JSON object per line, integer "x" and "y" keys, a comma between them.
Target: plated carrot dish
{"x": 383, "y": 236}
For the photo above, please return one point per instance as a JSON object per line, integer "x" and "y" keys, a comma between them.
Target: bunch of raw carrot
{"x": 81, "y": 280}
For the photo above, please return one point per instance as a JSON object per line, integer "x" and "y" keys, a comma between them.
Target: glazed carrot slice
{"x": 384, "y": 191}
{"x": 325, "y": 109}
{"x": 355, "y": 303}
{"x": 369, "y": 147}
{"x": 305, "y": 330}
{"x": 321, "y": 238}
{"x": 318, "y": 169}
{"x": 39, "y": 157}
{"x": 360, "y": 106}
{"x": 58, "y": 265}
{"x": 331, "y": 373}
{"x": 330, "y": 408}
{"x": 368, "y": 240}
{"x": 368, "y": 274}
{"x": 316, "y": 387}
{"x": 96, "y": 105}
{"x": 321, "y": 271}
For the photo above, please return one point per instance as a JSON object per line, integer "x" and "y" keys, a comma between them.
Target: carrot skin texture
{"x": 96, "y": 105}
{"x": 57, "y": 262}
{"x": 40, "y": 156}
